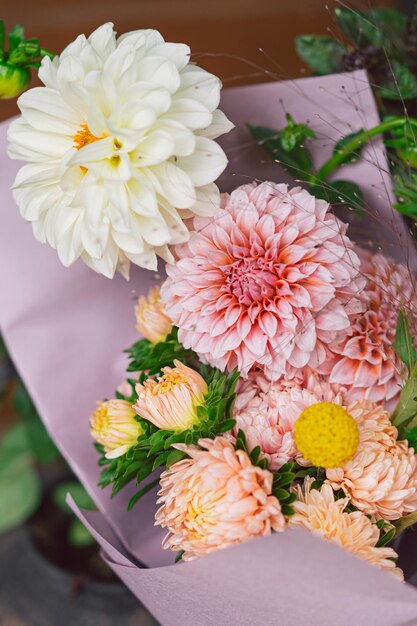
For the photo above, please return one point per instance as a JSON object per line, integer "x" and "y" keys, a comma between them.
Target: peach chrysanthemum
{"x": 171, "y": 401}
{"x": 267, "y": 412}
{"x": 269, "y": 280}
{"x": 215, "y": 499}
{"x": 151, "y": 318}
{"x": 365, "y": 361}
{"x": 113, "y": 425}
{"x": 381, "y": 479}
{"x": 319, "y": 512}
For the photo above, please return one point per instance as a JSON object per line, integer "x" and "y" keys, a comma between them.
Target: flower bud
{"x": 114, "y": 425}
{"x": 13, "y": 80}
{"x": 171, "y": 402}
{"x": 152, "y": 320}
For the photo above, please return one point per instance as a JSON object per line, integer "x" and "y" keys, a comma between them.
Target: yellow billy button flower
{"x": 114, "y": 425}
{"x": 171, "y": 402}
{"x": 326, "y": 435}
{"x": 152, "y": 320}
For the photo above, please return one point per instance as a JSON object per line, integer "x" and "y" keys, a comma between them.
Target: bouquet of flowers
{"x": 272, "y": 377}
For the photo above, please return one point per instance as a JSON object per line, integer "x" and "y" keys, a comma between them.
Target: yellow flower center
{"x": 326, "y": 435}
{"x": 100, "y": 420}
{"x": 83, "y": 137}
{"x": 167, "y": 382}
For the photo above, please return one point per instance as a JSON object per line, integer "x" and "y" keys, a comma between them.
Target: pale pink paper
{"x": 66, "y": 328}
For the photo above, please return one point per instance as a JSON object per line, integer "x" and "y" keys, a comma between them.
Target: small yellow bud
{"x": 114, "y": 425}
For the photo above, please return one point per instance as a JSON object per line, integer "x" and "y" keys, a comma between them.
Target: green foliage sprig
{"x": 380, "y": 40}
{"x": 17, "y": 56}
{"x": 154, "y": 448}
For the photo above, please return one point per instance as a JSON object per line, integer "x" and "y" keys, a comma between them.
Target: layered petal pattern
{"x": 215, "y": 499}
{"x": 267, "y": 413}
{"x": 365, "y": 360}
{"x": 119, "y": 146}
{"x": 270, "y": 280}
{"x": 381, "y": 479}
{"x": 318, "y": 511}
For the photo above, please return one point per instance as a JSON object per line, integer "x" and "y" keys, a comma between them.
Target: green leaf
{"x": 386, "y": 536}
{"x": 78, "y": 535}
{"x": 279, "y": 493}
{"x": 20, "y": 491}
{"x": 227, "y": 425}
{"x": 179, "y": 556}
{"x": 141, "y": 493}
{"x": 16, "y": 36}
{"x": 411, "y": 436}
{"x": 323, "y": 54}
{"x": 380, "y": 28}
{"x": 2, "y": 40}
{"x": 297, "y": 162}
{"x": 351, "y": 157}
{"x": 404, "y": 342}
{"x": 406, "y": 408}
{"x": 287, "y": 510}
{"x": 15, "y": 441}
{"x": 400, "y": 85}
{"x": 340, "y": 192}
{"x": 174, "y": 456}
{"x": 77, "y": 491}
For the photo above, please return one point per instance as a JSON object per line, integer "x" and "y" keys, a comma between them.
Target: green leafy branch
{"x": 381, "y": 40}
{"x": 154, "y": 448}
{"x": 149, "y": 358}
{"x": 289, "y": 147}
{"x": 17, "y": 56}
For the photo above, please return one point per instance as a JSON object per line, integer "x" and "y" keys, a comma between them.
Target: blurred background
{"x": 241, "y": 41}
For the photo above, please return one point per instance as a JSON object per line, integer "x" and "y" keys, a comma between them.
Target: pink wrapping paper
{"x": 66, "y": 328}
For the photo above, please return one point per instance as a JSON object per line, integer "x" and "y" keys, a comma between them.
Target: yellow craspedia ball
{"x": 326, "y": 435}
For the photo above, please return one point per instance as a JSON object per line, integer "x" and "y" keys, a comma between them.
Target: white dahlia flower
{"x": 119, "y": 149}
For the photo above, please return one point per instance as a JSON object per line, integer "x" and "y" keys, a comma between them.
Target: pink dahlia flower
{"x": 270, "y": 280}
{"x": 365, "y": 360}
{"x": 215, "y": 499}
{"x": 267, "y": 412}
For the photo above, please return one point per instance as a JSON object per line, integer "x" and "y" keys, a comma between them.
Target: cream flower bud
{"x": 114, "y": 425}
{"x": 152, "y": 320}
{"x": 171, "y": 402}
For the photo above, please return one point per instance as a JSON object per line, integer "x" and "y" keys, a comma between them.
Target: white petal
{"x": 155, "y": 96}
{"x": 94, "y": 151}
{"x": 29, "y": 144}
{"x": 220, "y": 125}
{"x": 48, "y": 72}
{"x": 176, "y": 186}
{"x": 178, "y": 53}
{"x": 144, "y": 37}
{"x": 190, "y": 113}
{"x": 45, "y": 110}
{"x": 156, "y": 147}
{"x": 160, "y": 71}
{"x": 208, "y": 200}
{"x": 184, "y": 138}
{"x": 200, "y": 85}
{"x": 103, "y": 40}
{"x": 206, "y": 163}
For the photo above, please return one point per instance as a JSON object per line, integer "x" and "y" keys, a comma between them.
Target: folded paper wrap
{"x": 66, "y": 328}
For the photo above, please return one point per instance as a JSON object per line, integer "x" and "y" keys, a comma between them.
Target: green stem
{"x": 357, "y": 142}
